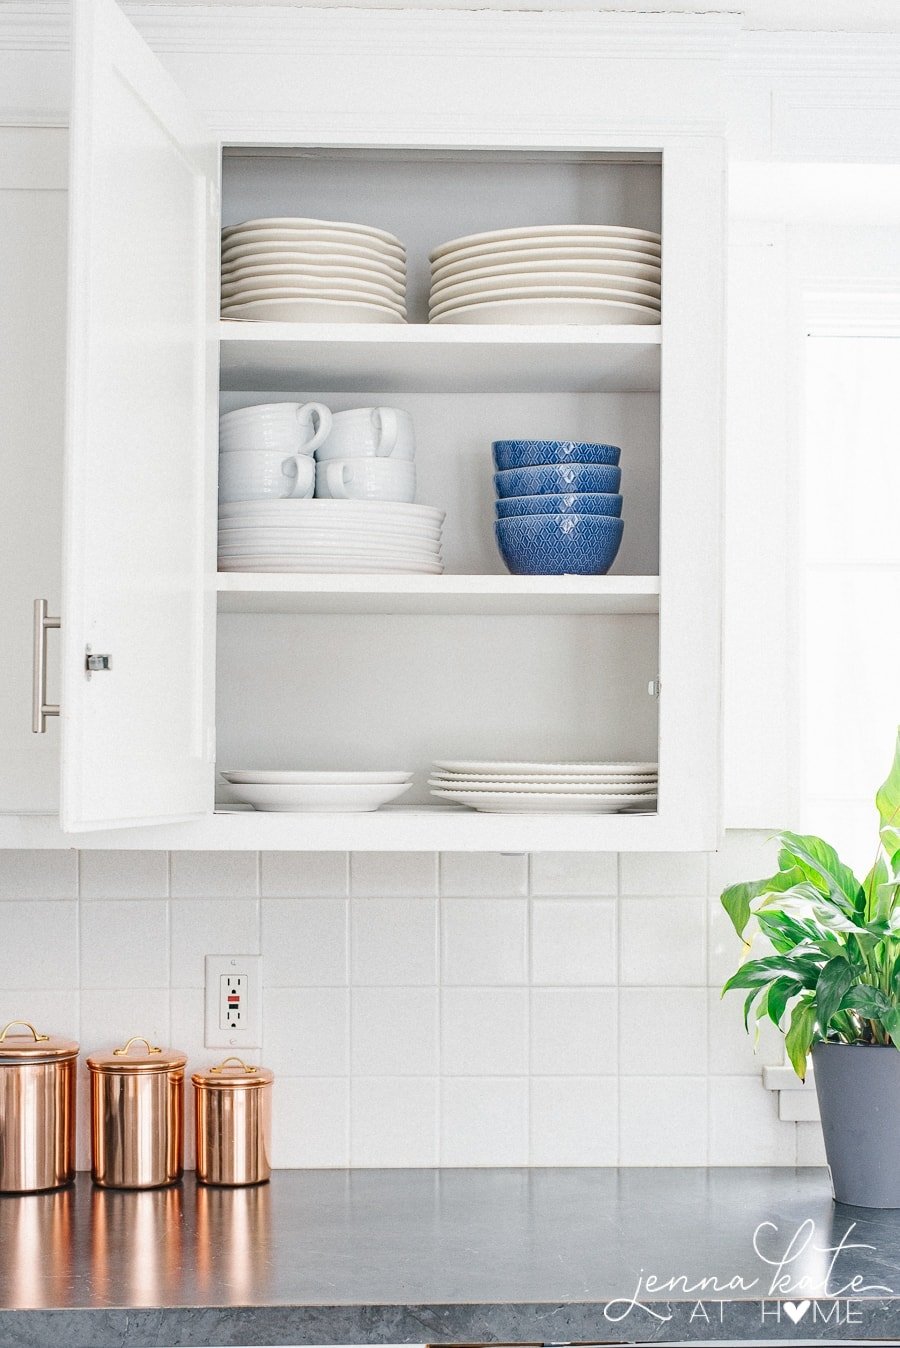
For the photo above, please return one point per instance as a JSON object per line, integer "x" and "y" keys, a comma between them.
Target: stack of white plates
{"x": 330, "y": 536}
{"x": 312, "y": 271}
{"x": 321, "y": 792}
{"x": 546, "y": 788}
{"x": 548, "y": 274}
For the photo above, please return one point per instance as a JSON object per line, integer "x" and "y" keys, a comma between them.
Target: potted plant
{"x": 833, "y": 985}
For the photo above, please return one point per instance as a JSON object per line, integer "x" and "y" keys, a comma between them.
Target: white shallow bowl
{"x": 383, "y": 271}
{"x": 564, "y": 311}
{"x": 545, "y": 292}
{"x": 543, "y": 232}
{"x": 311, "y": 246}
{"x": 548, "y": 788}
{"x": 252, "y": 777}
{"x": 550, "y": 778}
{"x": 346, "y": 567}
{"x": 517, "y": 802}
{"x": 285, "y": 286}
{"x": 305, "y": 222}
{"x": 330, "y": 511}
{"x": 312, "y": 311}
{"x": 345, "y": 295}
{"x": 544, "y": 281}
{"x": 312, "y": 798}
{"x": 471, "y": 767}
{"x": 335, "y": 237}
{"x": 330, "y": 278}
{"x": 609, "y": 261}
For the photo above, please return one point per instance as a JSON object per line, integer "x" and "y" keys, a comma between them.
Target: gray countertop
{"x": 451, "y": 1256}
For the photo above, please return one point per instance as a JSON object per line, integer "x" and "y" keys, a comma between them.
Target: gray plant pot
{"x": 858, "y": 1086}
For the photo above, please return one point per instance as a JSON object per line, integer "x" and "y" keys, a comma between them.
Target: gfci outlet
{"x": 233, "y": 1001}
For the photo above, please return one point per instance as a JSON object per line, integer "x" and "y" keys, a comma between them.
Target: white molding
{"x": 854, "y": 309}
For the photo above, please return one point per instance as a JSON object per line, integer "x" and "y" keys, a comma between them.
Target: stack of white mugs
{"x": 275, "y": 457}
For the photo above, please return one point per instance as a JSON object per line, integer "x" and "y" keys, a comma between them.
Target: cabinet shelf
{"x": 418, "y": 358}
{"x": 246, "y": 592}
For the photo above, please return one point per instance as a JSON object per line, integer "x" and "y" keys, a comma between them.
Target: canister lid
{"x": 150, "y": 1059}
{"x": 28, "y": 1045}
{"x": 233, "y": 1074}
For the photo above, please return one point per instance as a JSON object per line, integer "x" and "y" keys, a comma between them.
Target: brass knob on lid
{"x": 245, "y": 1067}
{"x": 136, "y": 1039}
{"x": 38, "y": 1038}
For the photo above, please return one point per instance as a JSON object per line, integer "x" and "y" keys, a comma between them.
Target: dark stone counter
{"x": 452, "y": 1256}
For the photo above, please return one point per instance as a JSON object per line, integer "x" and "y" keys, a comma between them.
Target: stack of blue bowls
{"x": 558, "y": 506}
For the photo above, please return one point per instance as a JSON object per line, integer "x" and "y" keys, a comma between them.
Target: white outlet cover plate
{"x": 250, "y": 1036}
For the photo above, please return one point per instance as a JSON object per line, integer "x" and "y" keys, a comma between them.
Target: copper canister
{"x": 233, "y": 1114}
{"x": 37, "y": 1110}
{"x": 137, "y": 1116}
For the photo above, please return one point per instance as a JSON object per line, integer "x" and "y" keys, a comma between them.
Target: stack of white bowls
{"x": 548, "y": 274}
{"x": 293, "y": 269}
{"x": 368, "y": 455}
{"x": 546, "y": 788}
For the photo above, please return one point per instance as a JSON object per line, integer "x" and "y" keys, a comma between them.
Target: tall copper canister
{"x": 37, "y": 1109}
{"x": 137, "y": 1116}
{"x": 233, "y": 1116}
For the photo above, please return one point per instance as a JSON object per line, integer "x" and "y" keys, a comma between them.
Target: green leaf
{"x": 887, "y": 801}
{"x": 868, "y": 1001}
{"x": 878, "y": 876}
{"x": 757, "y": 973}
{"x": 736, "y": 899}
{"x": 834, "y": 981}
{"x": 822, "y": 865}
{"x": 779, "y": 994}
{"x": 800, "y": 1034}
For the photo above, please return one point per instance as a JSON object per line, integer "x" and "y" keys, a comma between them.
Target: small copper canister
{"x": 137, "y": 1116}
{"x": 37, "y": 1110}
{"x": 233, "y": 1113}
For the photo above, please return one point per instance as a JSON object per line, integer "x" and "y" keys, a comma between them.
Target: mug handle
{"x": 334, "y": 476}
{"x": 388, "y": 430}
{"x": 324, "y": 428}
{"x": 296, "y": 460}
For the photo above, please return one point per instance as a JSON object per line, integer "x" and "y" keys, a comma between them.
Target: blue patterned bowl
{"x": 573, "y": 503}
{"x": 559, "y": 545}
{"x": 531, "y": 453}
{"x": 560, "y": 479}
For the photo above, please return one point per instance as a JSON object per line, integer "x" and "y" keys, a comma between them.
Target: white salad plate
{"x": 303, "y": 281}
{"x": 345, "y": 566}
{"x": 545, "y": 788}
{"x": 252, "y": 777}
{"x": 319, "y": 798}
{"x": 313, "y": 311}
{"x": 574, "y": 311}
{"x": 542, "y": 232}
{"x": 338, "y": 239}
{"x": 315, "y": 554}
{"x": 326, "y": 260}
{"x": 547, "y": 292}
{"x": 306, "y": 222}
{"x": 620, "y": 262}
{"x": 478, "y": 767}
{"x": 293, "y": 274}
{"x": 597, "y": 282}
{"x": 329, "y": 511}
{"x": 244, "y": 532}
{"x": 646, "y": 254}
{"x": 516, "y": 802}
{"x": 254, "y": 294}
{"x": 310, "y": 246}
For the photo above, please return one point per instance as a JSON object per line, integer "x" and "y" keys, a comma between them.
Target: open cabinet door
{"x": 139, "y": 543}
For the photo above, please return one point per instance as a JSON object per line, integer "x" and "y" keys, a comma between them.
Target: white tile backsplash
{"x": 470, "y": 1009}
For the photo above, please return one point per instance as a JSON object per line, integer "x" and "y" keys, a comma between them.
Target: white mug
{"x": 369, "y": 432}
{"x": 293, "y": 428}
{"x": 264, "y": 474}
{"x": 366, "y": 479}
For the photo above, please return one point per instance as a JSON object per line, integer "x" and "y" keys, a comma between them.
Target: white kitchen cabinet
{"x": 377, "y": 671}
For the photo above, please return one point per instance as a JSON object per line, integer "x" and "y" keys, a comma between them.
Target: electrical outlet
{"x": 233, "y": 1001}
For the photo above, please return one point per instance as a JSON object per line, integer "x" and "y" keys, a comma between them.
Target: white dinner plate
{"x": 254, "y": 294}
{"x": 304, "y": 281}
{"x": 337, "y": 568}
{"x": 470, "y": 767}
{"x": 344, "y": 555}
{"x": 239, "y": 533}
{"x": 513, "y": 802}
{"x": 312, "y": 311}
{"x": 310, "y": 246}
{"x": 326, "y": 259}
{"x": 545, "y": 788}
{"x": 547, "y": 292}
{"x": 252, "y": 777}
{"x": 295, "y": 273}
{"x": 545, "y": 232}
{"x": 303, "y": 798}
{"x": 622, "y": 262}
{"x": 595, "y": 282}
{"x": 338, "y": 239}
{"x": 305, "y": 222}
{"x": 565, "y": 311}
{"x": 329, "y": 511}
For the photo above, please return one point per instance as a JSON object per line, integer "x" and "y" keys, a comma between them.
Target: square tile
{"x": 394, "y": 1031}
{"x": 810, "y": 1144}
{"x": 306, "y": 1031}
{"x": 484, "y": 1121}
{"x": 732, "y": 1051}
{"x": 663, "y": 942}
{"x": 660, "y": 873}
{"x": 186, "y": 1015}
{"x": 201, "y": 927}
{"x": 574, "y": 1121}
{"x": 304, "y": 942}
{"x": 744, "y": 1127}
{"x": 484, "y": 941}
{"x": 662, "y": 1121}
{"x": 394, "y": 1121}
{"x": 484, "y": 1031}
{"x": 385, "y": 875}
{"x": 311, "y": 1123}
{"x": 124, "y": 875}
{"x": 39, "y": 874}
{"x": 394, "y": 941}
{"x": 747, "y": 854}
{"x": 573, "y": 941}
{"x": 483, "y": 875}
{"x": 215, "y": 875}
{"x": 305, "y": 875}
{"x": 110, "y": 1016}
{"x": 679, "y": 1047}
{"x": 40, "y": 944}
{"x": 574, "y": 1031}
{"x": 575, "y": 874}
{"x": 125, "y": 944}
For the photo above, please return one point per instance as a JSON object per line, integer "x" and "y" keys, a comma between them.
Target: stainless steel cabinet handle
{"x": 40, "y": 707}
